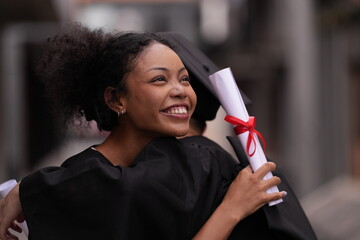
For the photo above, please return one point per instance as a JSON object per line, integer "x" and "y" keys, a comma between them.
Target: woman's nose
{"x": 178, "y": 91}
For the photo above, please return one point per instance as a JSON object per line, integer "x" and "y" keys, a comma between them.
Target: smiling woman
{"x": 141, "y": 181}
{"x": 157, "y": 89}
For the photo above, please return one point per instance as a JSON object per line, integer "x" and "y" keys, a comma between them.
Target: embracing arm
{"x": 10, "y": 210}
{"x": 246, "y": 194}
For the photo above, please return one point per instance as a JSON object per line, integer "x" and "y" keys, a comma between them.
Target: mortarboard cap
{"x": 199, "y": 67}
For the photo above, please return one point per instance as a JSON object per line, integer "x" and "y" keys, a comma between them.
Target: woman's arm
{"x": 10, "y": 210}
{"x": 246, "y": 194}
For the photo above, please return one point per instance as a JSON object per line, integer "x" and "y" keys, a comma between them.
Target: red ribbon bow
{"x": 242, "y": 126}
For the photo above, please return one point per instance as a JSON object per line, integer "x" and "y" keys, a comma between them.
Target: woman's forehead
{"x": 158, "y": 55}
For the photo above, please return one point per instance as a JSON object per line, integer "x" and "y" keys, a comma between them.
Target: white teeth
{"x": 183, "y": 110}
{"x": 177, "y": 110}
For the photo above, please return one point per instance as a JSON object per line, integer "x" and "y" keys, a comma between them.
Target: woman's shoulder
{"x": 217, "y": 156}
{"x": 174, "y": 148}
{"x": 87, "y": 155}
{"x": 207, "y": 144}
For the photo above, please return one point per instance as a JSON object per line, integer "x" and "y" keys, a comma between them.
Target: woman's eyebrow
{"x": 158, "y": 68}
{"x": 182, "y": 69}
{"x": 165, "y": 69}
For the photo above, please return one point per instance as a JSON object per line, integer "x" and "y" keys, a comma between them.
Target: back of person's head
{"x": 79, "y": 64}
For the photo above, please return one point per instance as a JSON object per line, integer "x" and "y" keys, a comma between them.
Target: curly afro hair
{"x": 79, "y": 64}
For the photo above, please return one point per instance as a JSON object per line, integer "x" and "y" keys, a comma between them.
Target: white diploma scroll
{"x": 5, "y": 188}
{"x": 230, "y": 98}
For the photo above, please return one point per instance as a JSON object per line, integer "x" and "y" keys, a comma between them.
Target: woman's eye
{"x": 159, "y": 79}
{"x": 185, "y": 79}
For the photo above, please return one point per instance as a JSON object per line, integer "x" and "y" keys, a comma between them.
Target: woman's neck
{"x": 122, "y": 147}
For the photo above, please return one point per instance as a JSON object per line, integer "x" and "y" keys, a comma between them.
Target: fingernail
{"x": 285, "y": 193}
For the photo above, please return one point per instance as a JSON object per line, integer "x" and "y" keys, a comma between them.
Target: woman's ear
{"x": 113, "y": 100}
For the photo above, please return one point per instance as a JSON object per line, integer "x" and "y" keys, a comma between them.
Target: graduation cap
{"x": 199, "y": 67}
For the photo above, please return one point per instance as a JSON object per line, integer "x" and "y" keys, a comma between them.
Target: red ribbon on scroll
{"x": 242, "y": 126}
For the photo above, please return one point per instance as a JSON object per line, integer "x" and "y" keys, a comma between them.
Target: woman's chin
{"x": 181, "y": 133}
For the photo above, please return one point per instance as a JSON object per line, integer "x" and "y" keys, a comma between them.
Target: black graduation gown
{"x": 168, "y": 192}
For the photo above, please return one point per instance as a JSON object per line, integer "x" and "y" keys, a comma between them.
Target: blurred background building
{"x": 298, "y": 60}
